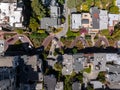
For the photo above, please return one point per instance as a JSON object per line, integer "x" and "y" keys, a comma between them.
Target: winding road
{"x": 49, "y": 39}
{"x": 12, "y": 40}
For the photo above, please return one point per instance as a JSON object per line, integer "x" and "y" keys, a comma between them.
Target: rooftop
{"x": 96, "y": 84}
{"x": 76, "y": 21}
{"x": 112, "y": 18}
{"x": 10, "y": 14}
{"x": 39, "y": 86}
{"x": 114, "y": 73}
{"x": 6, "y": 61}
{"x": 59, "y": 86}
{"x": 99, "y": 62}
{"x": 113, "y": 57}
{"x": 76, "y": 86}
{"x": 95, "y": 17}
{"x": 78, "y": 62}
{"x": 54, "y": 11}
{"x": 49, "y": 22}
{"x": 49, "y": 82}
{"x": 67, "y": 64}
{"x": 103, "y": 19}
{"x": 85, "y": 21}
{"x": 118, "y": 3}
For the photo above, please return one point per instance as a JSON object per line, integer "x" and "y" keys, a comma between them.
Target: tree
{"x": 61, "y": 2}
{"x": 101, "y": 77}
{"x": 19, "y": 31}
{"x": 38, "y": 9}
{"x": 33, "y": 24}
{"x": 114, "y": 9}
{"x": 89, "y": 87}
{"x": 79, "y": 77}
{"x": 85, "y": 7}
{"x": 74, "y": 50}
{"x": 58, "y": 66}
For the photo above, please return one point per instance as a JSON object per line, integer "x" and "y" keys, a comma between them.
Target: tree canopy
{"x": 33, "y": 24}
{"x": 61, "y": 1}
{"x": 38, "y": 9}
{"x": 114, "y": 10}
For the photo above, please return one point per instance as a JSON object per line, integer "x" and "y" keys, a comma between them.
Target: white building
{"x": 10, "y": 14}
{"x": 67, "y": 64}
{"x": 113, "y": 57}
{"x": 118, "y": 3}
{"x": 54, "y": 11}
{"x": 113, "y": 20}
{"x": 103, "y": 19}
{"x": 76, "y": 21}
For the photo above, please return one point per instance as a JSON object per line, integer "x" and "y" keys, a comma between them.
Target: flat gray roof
{"x": 49, "y": 82}
{"x": 49, "y": 22}
{"x": 78, "y": 62}
{"x": 85, "y": 21}
{"x": 76, "y": 86}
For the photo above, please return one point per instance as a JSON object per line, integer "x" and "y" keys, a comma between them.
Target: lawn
{"x": 87, "y": 70}
{"x": 72, "y": 34}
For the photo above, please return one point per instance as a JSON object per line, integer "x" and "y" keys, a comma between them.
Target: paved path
{"x": 47, "y": 41}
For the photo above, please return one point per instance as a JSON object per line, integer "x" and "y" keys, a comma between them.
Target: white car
{"x": 30, "y": 46}
{"x": 20, "y": 37}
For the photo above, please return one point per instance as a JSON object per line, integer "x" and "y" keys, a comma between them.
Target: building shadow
{"x": 23, "y": 49}
{"x": 27, "y": 12}
{"x": 27, "y": 76}
{"x": 93, "y": 50}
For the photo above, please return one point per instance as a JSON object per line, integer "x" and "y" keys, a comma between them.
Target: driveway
{"x": 65, "y": 27}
